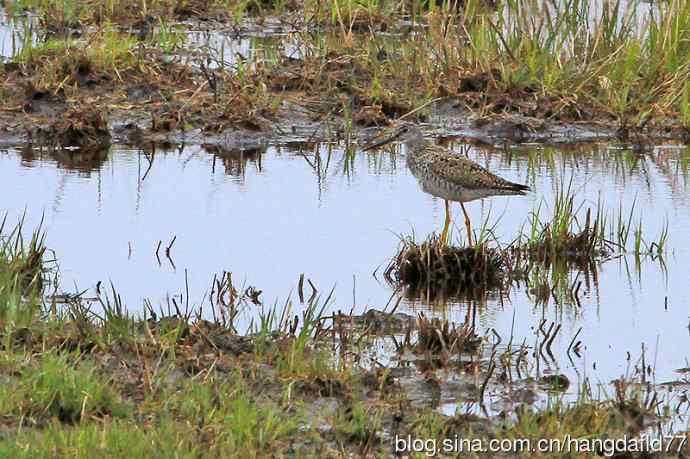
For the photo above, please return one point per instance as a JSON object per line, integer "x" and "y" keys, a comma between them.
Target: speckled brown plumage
{"x": 444, "y": 174}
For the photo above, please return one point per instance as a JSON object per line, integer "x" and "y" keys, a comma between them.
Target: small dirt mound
{"x": 434, "y": 266}
{"x": 81, "y": 127}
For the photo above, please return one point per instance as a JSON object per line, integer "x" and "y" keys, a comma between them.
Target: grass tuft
{"x": 454, "y": 271}
{"x": 55, "y": 387}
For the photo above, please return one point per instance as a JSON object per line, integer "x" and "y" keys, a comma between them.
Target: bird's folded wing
{"x": 466, "y": 173}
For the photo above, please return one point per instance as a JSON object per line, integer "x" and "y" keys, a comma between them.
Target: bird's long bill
{"x": 382, "y": 141}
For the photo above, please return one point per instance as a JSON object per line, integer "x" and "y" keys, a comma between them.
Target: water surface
{"x": 15, "y": 32}
{"x": 268, "y": 216}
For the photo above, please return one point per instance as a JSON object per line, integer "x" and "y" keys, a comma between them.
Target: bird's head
{"x": 402, "y": 131}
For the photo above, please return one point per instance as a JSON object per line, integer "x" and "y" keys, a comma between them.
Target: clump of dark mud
{"x": 453, "y": 271}
{"x": 81, "y": 127}
{"x": 42, "y": 102}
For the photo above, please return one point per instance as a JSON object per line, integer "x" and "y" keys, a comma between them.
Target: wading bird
{"x": 444, "y": 174}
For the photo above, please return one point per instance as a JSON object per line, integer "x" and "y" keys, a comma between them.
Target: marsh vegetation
{"x": 198, "y": 260}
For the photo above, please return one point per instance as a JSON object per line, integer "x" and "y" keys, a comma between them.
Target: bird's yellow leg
{"x": 446, "y": 225}
{"x": 468, "y": 225}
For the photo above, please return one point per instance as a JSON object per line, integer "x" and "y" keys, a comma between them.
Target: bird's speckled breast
{"x": 438, "y": 186}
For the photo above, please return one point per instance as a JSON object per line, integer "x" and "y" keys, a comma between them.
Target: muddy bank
{"x": 295, "y": 123}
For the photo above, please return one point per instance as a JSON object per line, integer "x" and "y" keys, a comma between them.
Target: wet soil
{"x": 151, "y": 119}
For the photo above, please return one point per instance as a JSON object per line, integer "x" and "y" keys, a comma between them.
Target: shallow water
{"x": 268, "y": 216}
{"x": 265, "y": 41}
{"x": 228, "y": 49}
{"x": 15, "y": 32}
